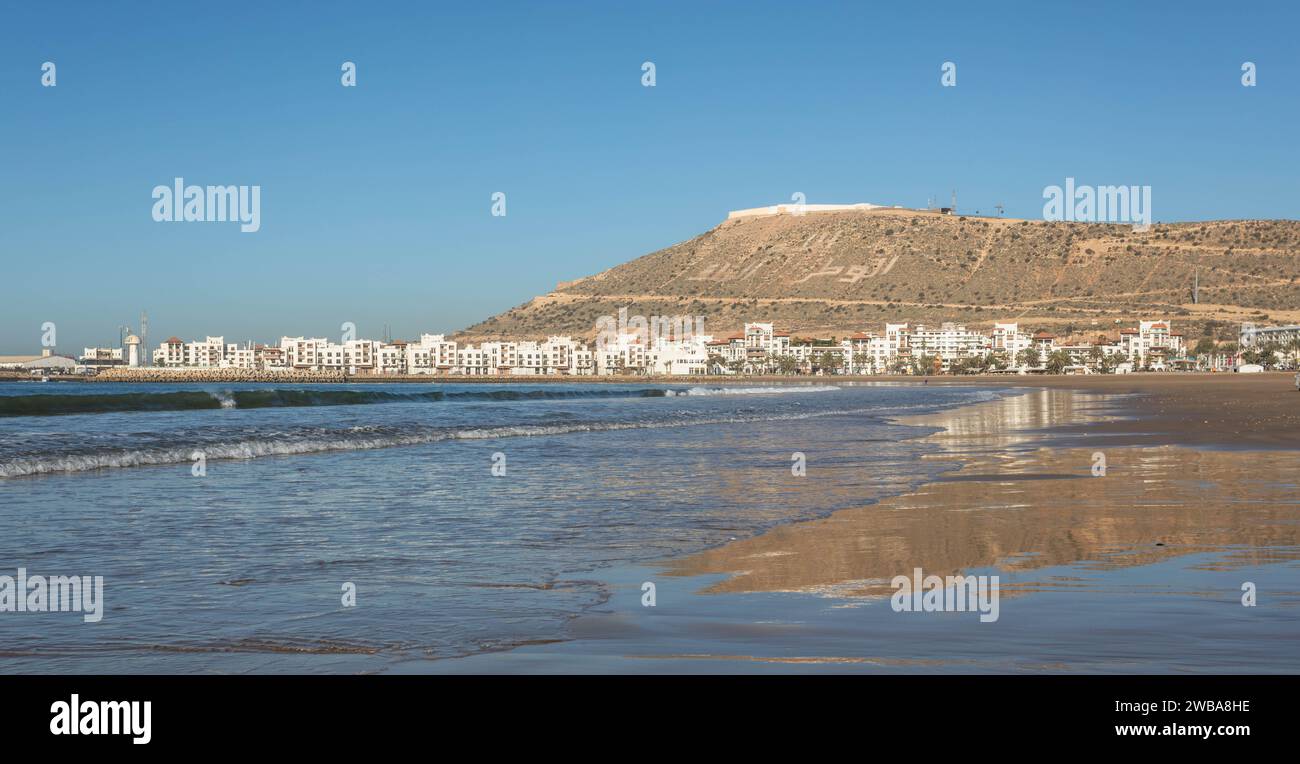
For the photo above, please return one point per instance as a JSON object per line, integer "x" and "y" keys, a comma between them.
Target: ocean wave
{"x": 55, "y": 405}
{"x": 350, "y": 439}
{"x": 755, "y": 390}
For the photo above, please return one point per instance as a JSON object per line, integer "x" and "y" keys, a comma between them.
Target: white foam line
{"x": 253, "y": 449}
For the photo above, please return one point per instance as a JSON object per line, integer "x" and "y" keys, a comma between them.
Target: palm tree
{"x": 924, "y": 365}
{"x": 1293, "y": 349}
{"x": 829, "y": 361}
{"x": 1095, "y": 356}
{"x": 1057, "y": 360}
{"x": 1027, "y": 358}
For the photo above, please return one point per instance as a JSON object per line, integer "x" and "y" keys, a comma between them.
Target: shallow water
{"x": 391, "y": 488}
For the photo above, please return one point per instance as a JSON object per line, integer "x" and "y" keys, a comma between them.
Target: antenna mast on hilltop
{"x": 954, "y": 201}
{"x": 999, "y": 208}
{"x": 144, "y": 337}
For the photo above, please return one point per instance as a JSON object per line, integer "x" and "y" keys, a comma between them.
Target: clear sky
{"x": 376, "y": 200}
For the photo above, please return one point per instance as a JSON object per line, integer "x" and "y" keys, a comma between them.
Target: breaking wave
{"x": 349, "y": 439}
{"x": 754, "y": 390}
{"x": 54, "y": 405}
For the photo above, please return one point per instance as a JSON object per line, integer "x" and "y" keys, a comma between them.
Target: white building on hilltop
{"x": 799, "y": 209}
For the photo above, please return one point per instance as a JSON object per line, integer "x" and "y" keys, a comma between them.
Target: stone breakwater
{"x": 157, "y": 374}
{"x": 154, "y": 374}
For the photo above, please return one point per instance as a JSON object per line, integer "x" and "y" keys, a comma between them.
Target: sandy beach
{"x": 1025, "y": 496}
{"x": 1197, "y": 496}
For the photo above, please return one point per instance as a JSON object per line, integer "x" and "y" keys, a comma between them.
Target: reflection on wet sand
{"x": 1017, "y": 505}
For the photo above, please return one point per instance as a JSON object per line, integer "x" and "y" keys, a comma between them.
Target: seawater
{"x": 390, "y": 489}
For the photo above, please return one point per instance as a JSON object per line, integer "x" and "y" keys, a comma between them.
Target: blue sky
{"x": 376, "y": 199}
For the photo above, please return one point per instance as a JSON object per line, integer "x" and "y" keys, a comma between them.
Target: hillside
{"x": 834, "y": 273}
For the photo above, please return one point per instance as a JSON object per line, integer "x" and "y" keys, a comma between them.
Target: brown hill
{"x": 834, "y": 273}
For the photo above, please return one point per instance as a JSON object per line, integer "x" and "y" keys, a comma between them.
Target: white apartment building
{"x": 235, "y": 357}
{"x": 1007, "y": 339}
{"x": 390, "y": 357}
{"x": 625, "y": 354}
{"x": 208, "y": 353}
{"x": 681, "y": 357}
{"x": 949, "y": 343}
{"x": 1044, "y": 342}
{"x": 763, "y": 337}
{"x": 895, "y": 344}
{"x": 1151, "y": 344}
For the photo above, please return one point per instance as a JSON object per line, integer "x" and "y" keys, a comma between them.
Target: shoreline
{"x": 1135, "y": 380}
{"x": 1158, "y": 545}
{"x": 1024, "y": 453}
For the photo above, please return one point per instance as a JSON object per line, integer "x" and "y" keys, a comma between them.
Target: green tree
{"x": 1057, "y": 360}
{"x": 924, "y": 365}
{"x": 828, "y": 362}
{"x": 1293, "y": 351}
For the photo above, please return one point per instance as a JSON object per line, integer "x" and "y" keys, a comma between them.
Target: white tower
{"x": 132, "y": 343}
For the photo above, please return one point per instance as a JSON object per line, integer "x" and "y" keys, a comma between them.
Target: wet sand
{"x": 1215, "y": 410}
{"x": 1137, "y": 569}
{"x": 1015, "y": 504}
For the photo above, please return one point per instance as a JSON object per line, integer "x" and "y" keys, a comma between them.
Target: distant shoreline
{"x": 1082, "y": 381}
